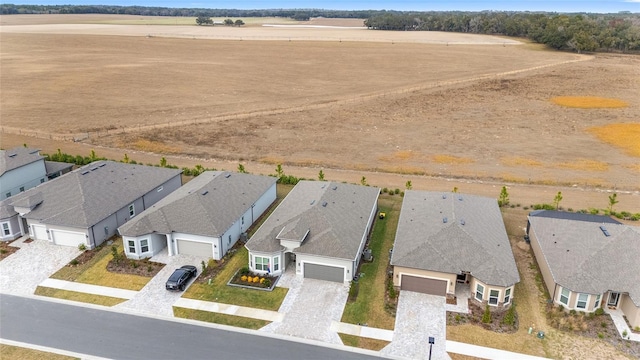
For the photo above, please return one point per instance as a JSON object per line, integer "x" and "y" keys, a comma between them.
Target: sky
{"x": 596, "y": 6}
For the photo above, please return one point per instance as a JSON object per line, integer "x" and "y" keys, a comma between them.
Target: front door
{"x": 613, "y": 299}
{"x": 25, "y": 227}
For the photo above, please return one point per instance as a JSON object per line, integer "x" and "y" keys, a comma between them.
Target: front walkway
{"x": 621, "y": 324}
{"x": 463, "y": 293}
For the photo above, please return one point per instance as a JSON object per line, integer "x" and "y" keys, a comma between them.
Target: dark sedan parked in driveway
{"x": 180, "y": 277}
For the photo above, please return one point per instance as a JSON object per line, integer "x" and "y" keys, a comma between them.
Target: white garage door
{"x": 195, "y": 248}
{"x": 323, "y": 272}
{"x": 67, "y": 238}
{"x": 40, "y": 232}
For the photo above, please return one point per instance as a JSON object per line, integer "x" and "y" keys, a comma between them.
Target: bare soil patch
{"x": 6, "y": 250}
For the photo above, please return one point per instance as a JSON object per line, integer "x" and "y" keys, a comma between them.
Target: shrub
{"x": 82, "y": 247}
{"x": 149, "y": 268}
{"x": 603, "y": 324}
{"x": 599, "y": 311}
{"x": 486, "y": 317}
{"x": 267, "y": 283}
{"x": 624, "y": 333}
{"x": 510, "y": 316}
{"x": 74, "y": 262}
{"x": 204, "y": 266}
{"x": 243, "y": 271}
{"x": 256, "y": 279}
{"x": 243, "y": 278}
{"x": 385, "y": 190}
{"x": 117, "y": 256}
{"x": 600, "y": 336}
{"x": 637, "y": 328}
{"x": 573, "y": 312}
{"x": 396, "y": 191}
{"x": 458, "y": 318}
{"x": 262, "y": 280}
{"x": 134, "y": 264}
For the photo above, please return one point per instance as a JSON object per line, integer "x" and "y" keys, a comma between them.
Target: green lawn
{"x": 78, "y": 296}
{"x": 224, "y": 319}
{"x": 218, "y": 291}
{"x": 369, "y": 306}
{"x": 95, "y": 272}
{"x": 15, "y": 352}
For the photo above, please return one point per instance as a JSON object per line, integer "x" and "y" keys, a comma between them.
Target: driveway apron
{"x": 154, "y": 299}
{"x": 418, "y": 317}
{"x": 309, "y": 307}
{"x": 22, "y": 271}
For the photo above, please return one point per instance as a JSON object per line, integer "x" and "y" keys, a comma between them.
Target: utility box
{"x": 367, "y": 255}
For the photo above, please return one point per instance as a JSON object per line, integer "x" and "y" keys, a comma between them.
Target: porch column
{"x": 170, "y": 244}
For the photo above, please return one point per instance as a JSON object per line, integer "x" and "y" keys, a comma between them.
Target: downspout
{"x": 93, "y": 238}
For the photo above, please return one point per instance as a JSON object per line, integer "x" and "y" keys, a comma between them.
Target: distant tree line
{"x": 578, "y": 32}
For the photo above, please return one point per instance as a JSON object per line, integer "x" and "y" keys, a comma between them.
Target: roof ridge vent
{"x": 444, "y": 196}
{"x": 312, "y": 202}
{"x": 324, "y": 204}
{"x": 227, "y": 175}
{"x": 444, "y": 220}
{"x": 12, "y": 155}
{"x": 204, "y": 192}
{"x": 462, "y": 222}
{"x": 605, "y": 231}
{"x": 460, "y": 198}
{"x": 85, "y": 172}
{"x": 334, "y": 187}
{"x": 34, "y": 152}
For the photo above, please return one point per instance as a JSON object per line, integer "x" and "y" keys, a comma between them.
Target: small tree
{"x": 92, "y": 155}
{"x": 126, "y": 159}
{"x": 116, "y": 255}
{"x": 613, "y": 199}
{"x": 198, "y": 170}
{"x": 363, "y": 181}
{"x": 557, "y": 199}
{"x": 504, "y": 197}
{"x": 241, "y": 169}
{"x": 455, "y": 189}
{"x": 408, "y": 185}
{"x": 204, "y": 20}
{"x": 163, "y": 162}
{"x": 321, "y": 175}
{"x": 239, "y": 22}
{"x": 486, "y": 317}
{"x": 228, "y": 22}
{"x": 279, "y": 171}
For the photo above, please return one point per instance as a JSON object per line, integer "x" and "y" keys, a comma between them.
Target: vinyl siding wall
{"x": 26, "y": 176}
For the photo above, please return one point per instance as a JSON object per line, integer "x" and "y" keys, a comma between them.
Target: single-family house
{"x": 205, "y": 217}
{"x": 588, "y": 261}
{"x": 320, "y": 230}
{"x": 22, "y": 168}
{"x": 86, "y": 206}
{"x": 446, "y": 239}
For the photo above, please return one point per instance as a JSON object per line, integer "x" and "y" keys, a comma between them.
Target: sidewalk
{"x": 486, "y": 353}
{"x": 88, "y": 288}
{"x": 621, "y": 324}
{"x": 230, "y": 309}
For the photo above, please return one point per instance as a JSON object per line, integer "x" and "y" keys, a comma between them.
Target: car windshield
{"x": 176, "y": 275}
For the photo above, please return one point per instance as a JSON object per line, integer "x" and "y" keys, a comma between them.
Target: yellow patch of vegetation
{"x": 155, "y": 147}
{"x": 451, "y": 160}
{"x": 406, "y": 170}
{"x": 400, "y": 155}
{"x": 519, "y": 161}
{"x": 272, "y": 160}
{"x": 624, "y": 135}
{"x": 510, "y": 178}
{"x": 78, "y": 296}
{"x": 585, "y": 165}
{"x": 589, "y": 102}
{"x": 16, "y": 352}
{"x": 634, "y": 167}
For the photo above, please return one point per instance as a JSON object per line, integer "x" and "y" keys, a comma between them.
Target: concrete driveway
{"x": 418, "y": 317}
{"x": 22, "y": 271}
{"x": 309, "y": 307}
{"x": 154, "y": 299}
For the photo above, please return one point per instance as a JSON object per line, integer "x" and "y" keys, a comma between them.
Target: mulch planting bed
{"x": 475, "y": 317}
{"x": 6, "y": 250}
{"x": 135, "y": 267}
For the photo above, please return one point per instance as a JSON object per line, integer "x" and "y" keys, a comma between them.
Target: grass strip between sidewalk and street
{"x": 218, "y": 318}
{"x": 78, "y": 296}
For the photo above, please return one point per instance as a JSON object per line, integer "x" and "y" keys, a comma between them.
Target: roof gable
{"x": 207, "y": 205}
{"x": 17, "y": 157}
{"x": 583, "y": 258}
{"x": 453, "y": 233}
{"x": 85, "y": 196}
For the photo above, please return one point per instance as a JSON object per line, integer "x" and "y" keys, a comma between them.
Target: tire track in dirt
{"x": 76, "y": 137}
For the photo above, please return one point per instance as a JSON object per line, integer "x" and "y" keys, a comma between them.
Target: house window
{"x": 493, "y": 297}
{"x": 144, "y": 245}
{"x": 132, "y": 246}
{"x": 262, "y": 263}
{"x": 582, "y": 301}
{"x": 479, "y": 292}
{"x": 41, "y": 180}
{"x": 8, "y": 194}
{"x": 276, "y": 263}
{"x": 21, "y": 188}
{"x": 5, "y": 229}
{"x": 132, "y": 210}
{"x": 597, "y": 304}
{"x": 507, "y": 296}
{"x": 564, "y": 296}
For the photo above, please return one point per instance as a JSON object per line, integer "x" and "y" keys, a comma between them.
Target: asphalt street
{"x": 123, "y": 336}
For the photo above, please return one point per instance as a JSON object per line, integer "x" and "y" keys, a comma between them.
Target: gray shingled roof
{"x": 85, "y": 196}
{"x": 55, "y": 166}
{"x": 582, "y": 258}
{"x": 226, "y": 197}
{"x": 473, "y": 238}
{"x": 335, "y": 214}
{"x": 17, "y": 157}
{"x": 6, "y": 210}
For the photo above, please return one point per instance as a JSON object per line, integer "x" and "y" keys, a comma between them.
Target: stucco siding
{"x": 630, "y": 310}
{"x": 543, "y": 265}
{"x": 398, "y": 271}
{"x": 487, "y": 291}
{"x": 14, "y": 228}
